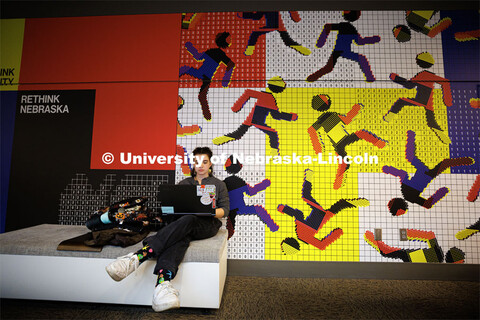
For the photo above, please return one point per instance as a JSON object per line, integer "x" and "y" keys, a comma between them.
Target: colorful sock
{"x": 144, "y": 254}
{"x": 164, "y": 275}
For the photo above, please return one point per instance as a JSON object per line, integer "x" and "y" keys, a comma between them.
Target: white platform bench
{"x": 31, "y": 267}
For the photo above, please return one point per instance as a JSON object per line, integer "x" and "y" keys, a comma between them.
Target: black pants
{"x": 237, "y": 134}
{"x": 283, "y": 34}
{"x": 431, "y": 121}
{"x": 172, "y": 241}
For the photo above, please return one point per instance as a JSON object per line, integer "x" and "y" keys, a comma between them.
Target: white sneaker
{"x": 165, "y": 297}
{"x": 123, "y": 266}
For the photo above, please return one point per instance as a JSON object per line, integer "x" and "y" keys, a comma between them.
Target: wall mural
{"x": 341, "y": 136}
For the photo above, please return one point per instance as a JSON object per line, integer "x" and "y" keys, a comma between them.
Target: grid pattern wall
{"x": 80, "y": 200}
{"x": 375, "y": 84}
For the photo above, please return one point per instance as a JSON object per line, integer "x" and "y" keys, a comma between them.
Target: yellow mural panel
{"x": 287, "y": 179}
{"x": 11, "y": 35}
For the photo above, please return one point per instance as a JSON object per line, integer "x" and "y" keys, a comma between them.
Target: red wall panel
{"x": 132, "y": 63}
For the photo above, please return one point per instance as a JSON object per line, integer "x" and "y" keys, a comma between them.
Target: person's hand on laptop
{"x": 219, "y": 213}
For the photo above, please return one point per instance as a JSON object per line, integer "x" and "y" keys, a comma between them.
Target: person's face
{"x": 202, "y": 164}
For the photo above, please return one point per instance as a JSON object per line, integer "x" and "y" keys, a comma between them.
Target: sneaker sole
{"x": 166, "y": 305}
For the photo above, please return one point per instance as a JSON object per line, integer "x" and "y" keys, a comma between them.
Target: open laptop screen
{"x": 187, "y": 199}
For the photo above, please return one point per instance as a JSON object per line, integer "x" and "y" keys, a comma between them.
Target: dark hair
{"x": 232, "y": 166}
{"x": 454, "y": 255}
{"x": 321, "y": 102}
{"x": 351, "y": 15}
{"x": 425, "y": 64}
{"x": 202, "y": 150}
{"x": 221, "y": 40}
{"x": 275, "y": 89}
{"x": 397, "y": 204}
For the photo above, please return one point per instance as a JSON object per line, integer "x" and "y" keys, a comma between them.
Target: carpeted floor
{"x": 289, "y": 298}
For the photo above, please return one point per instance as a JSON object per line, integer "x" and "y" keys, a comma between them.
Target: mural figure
{"x": 290, "y": 246}
{"x": 347, "y": 34}
{"x": 307, "y": 228}
{"x": 469, "y": 231}
{"x": 417, "y": 20}
{"x": 475, "y": 103}
{"x": 474, "y": 190}
{"x": 424, "y": 83}
{"x": 189, "y": 21}
{"x": 264, "y": 106}
{"x": 237, "y": 188}
{"x": 467, "y": 35}
{"x": 433, "y": 253}
{"x": 211, "y": 61}
{"x": 181, "y": 132}
{"x": 334, "y": 125}
{"x": 412, "y": 187}
{"x": 273, "y": 22}
{"x": 402, "y": 33}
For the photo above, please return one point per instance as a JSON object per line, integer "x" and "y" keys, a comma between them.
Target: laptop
{"x": 185, "y": 199}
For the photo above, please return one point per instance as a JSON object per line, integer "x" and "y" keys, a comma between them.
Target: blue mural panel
{"x": 462, "y": 67}
{"x": 8, "y": 101}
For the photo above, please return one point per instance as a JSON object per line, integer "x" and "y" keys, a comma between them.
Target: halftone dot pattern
{"x": 286, "y": 189}
{"x": 249, "y": 237}
{"x": 462, "y": 56}
{"x": 299, "y": 101}
{"x": 346, "y": 87}
{"x": 145, "y": 185}
{"x": 462, "y": 70}
{"x": 224, "y": 120}
{"x": 287, "y": 180}
{"x": 249, "y": 230}
{"x": 79, "y": 200}
{"x": 376, "y": 103}
{"x": 249, "y": 70}
{"x": 464, "y": 129}
{"x": 444, "y": 219}
{"x": 384, "y": 57}
{"x": 294, "y": 137}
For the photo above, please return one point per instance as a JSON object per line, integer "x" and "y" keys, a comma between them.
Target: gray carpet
{"x": 289, "y": 298}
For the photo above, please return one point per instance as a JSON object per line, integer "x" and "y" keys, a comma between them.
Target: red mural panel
{"x": 132, "y": 63}
{"x": 249, "y": 70}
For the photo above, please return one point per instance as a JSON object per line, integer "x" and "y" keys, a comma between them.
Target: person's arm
{"x": 446, "y": 90}
{"x": 420, "y": 235}
{"x": 322, "y": 38}
{"x": 228, "y": 74}
{"x": 395, "y": 172}
{"x": 238, "y": 105}
{"x": 251, "y": 191}
{"x": 278, "y": 115}
{"x": 367, "y": 40}
{"x": 351, "y": 114}
{"x": 408, "y": 84}
{"x": 348, "y": 203}
{"x": 188, "y": 180}
{"x": 402, "y": 81}
{"x": 219, "y": 213}
{"x": 223, "y": 201}
{"x": 193, "y": 51}
{"x": 187, "y": 130}
{"x": 315, "y": 137}
{"x": 410, "y": 152}
{"x": 295, "y": 16}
